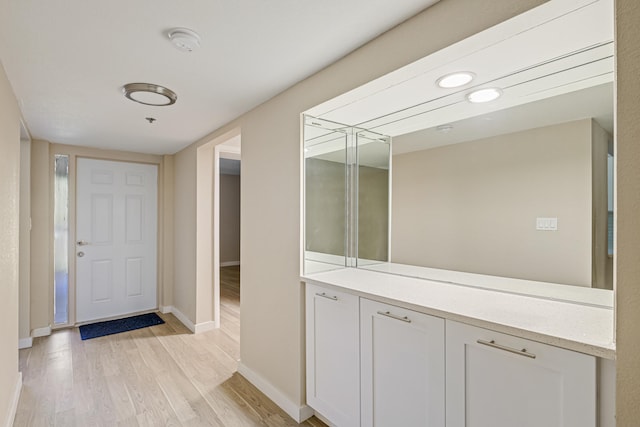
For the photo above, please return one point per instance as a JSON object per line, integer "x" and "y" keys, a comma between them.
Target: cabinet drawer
{"x": 498, "y": 380}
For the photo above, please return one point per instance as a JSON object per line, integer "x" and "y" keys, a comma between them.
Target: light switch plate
{"x": 547, "y": 224}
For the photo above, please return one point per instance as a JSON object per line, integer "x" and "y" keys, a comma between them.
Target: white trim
{"x": 180, "y": 316}
{"x": 41, "y": 332}
{"x": 229, "y": 263}
{"x": 25, "y": 343}
{"x": 197, "y": 328}
{"x": 205, "y": 326}
{"x": 13, "y": 407}
{"x": 295, "y": 411}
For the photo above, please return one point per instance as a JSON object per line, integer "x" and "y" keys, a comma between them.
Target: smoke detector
{"x": 184, "y": 39}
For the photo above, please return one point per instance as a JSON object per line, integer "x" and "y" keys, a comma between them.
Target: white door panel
{"x": 116, "y": 229}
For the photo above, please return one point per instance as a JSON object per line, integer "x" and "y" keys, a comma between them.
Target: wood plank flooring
{"x": 157, "y": 376}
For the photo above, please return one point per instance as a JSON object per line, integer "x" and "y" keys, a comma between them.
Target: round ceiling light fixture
{"x": 149, "y": 94}
{"x": 457, "y": 79}
{"x": 484, "y": 95}
{"x": 184, "y": 39}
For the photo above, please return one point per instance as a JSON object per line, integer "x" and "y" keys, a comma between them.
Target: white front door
{"x": 116, "y": 238}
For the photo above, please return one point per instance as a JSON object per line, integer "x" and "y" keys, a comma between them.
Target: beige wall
{"x": 9, "y": 243}
{"x": 184, "y": 291}
{"x": 41, "y": 263}
{"x": 168, "y": 202}
{"x": 272, "y": 296}
{"x": 25, "y": 240}
{"x": 473, "y": 206}
{"x": 229, "y": 218}
{"x": 627, "y": 210}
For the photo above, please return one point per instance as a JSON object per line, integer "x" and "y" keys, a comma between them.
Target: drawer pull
{"x": 323, "y": 295}
{"x": 493, "y": 344}
{"x": 393, "y": 316}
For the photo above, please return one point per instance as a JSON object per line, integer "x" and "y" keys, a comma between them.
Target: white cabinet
{"x": 333, "y": 355}
{"x": 497, "y": 380}
{"x": 402, "y": 367}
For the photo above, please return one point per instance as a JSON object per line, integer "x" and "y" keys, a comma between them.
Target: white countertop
{"x": 579, "y": 327}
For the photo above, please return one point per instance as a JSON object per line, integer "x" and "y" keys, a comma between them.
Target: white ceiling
{"x": 67, "y": 61}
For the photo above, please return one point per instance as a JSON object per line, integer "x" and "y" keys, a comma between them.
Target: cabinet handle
{"x": 323, "y": 295}
{"x": 493, "y": 344}
{"x": 393, "y": 316}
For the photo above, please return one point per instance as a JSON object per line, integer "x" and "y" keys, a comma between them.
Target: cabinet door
{"x": 333, "y": 355}
{"x": 497, "y": 380}
{"x": 402, "y": 367}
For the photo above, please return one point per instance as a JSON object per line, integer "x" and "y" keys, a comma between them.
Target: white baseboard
{"x": 180, "y": 316}
{"x": 197, "y": 328}
{"x": 205, "y": 326}
{"x": 13, "y": 406}
{"x": 25, "y": 343}
{"x": 229, "y": 263}
{"x": 41, "y": 332}
{"x": 295, "y": 411}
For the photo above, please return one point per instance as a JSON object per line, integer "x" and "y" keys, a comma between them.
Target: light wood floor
{"x": 158, "y": 376}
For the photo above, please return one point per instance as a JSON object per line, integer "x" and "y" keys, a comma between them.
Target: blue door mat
{"x": 110, "y": 327}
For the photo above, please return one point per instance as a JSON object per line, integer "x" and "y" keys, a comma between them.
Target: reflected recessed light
{"x": 149, "y": 94}
{"x": 457, "y": 79}
{"x": 484, "y": 95}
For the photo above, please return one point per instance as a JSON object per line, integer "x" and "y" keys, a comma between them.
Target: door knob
{"x": 80, "y": 254}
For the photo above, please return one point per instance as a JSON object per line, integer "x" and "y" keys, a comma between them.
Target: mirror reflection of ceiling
{"x": 553, "y": 64}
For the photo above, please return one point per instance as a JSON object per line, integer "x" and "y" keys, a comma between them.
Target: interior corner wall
{"x": 272, "y": 312}
{"x": 627, "y": 206}
{"x": 229, "y": 218}
{"x": 9, "y": 247}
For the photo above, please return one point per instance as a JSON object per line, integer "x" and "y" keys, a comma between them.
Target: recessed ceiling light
{"x": 184, "y": 39}
{"x": 484, "y": 95}
{"x": 149, "y": 94}
{"x": 457, "y": 79}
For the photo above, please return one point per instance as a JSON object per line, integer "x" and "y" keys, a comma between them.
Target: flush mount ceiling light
{"x": 456, "y": 79}
{"x": 184, "y": 39}
{"x": 484, "y": 95}
{"x": 149, "y": 94}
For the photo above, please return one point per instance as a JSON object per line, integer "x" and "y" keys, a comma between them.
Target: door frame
{"x": 75, "y": 152}
{"x": 207, "y": 263}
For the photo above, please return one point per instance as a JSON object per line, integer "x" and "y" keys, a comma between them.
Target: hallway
{"x": 162, "y": 375}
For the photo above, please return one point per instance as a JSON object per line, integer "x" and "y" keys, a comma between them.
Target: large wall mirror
{"x": 488, "y": 163}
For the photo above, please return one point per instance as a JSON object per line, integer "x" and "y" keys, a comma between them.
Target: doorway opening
{"x": 227, "y": 167}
